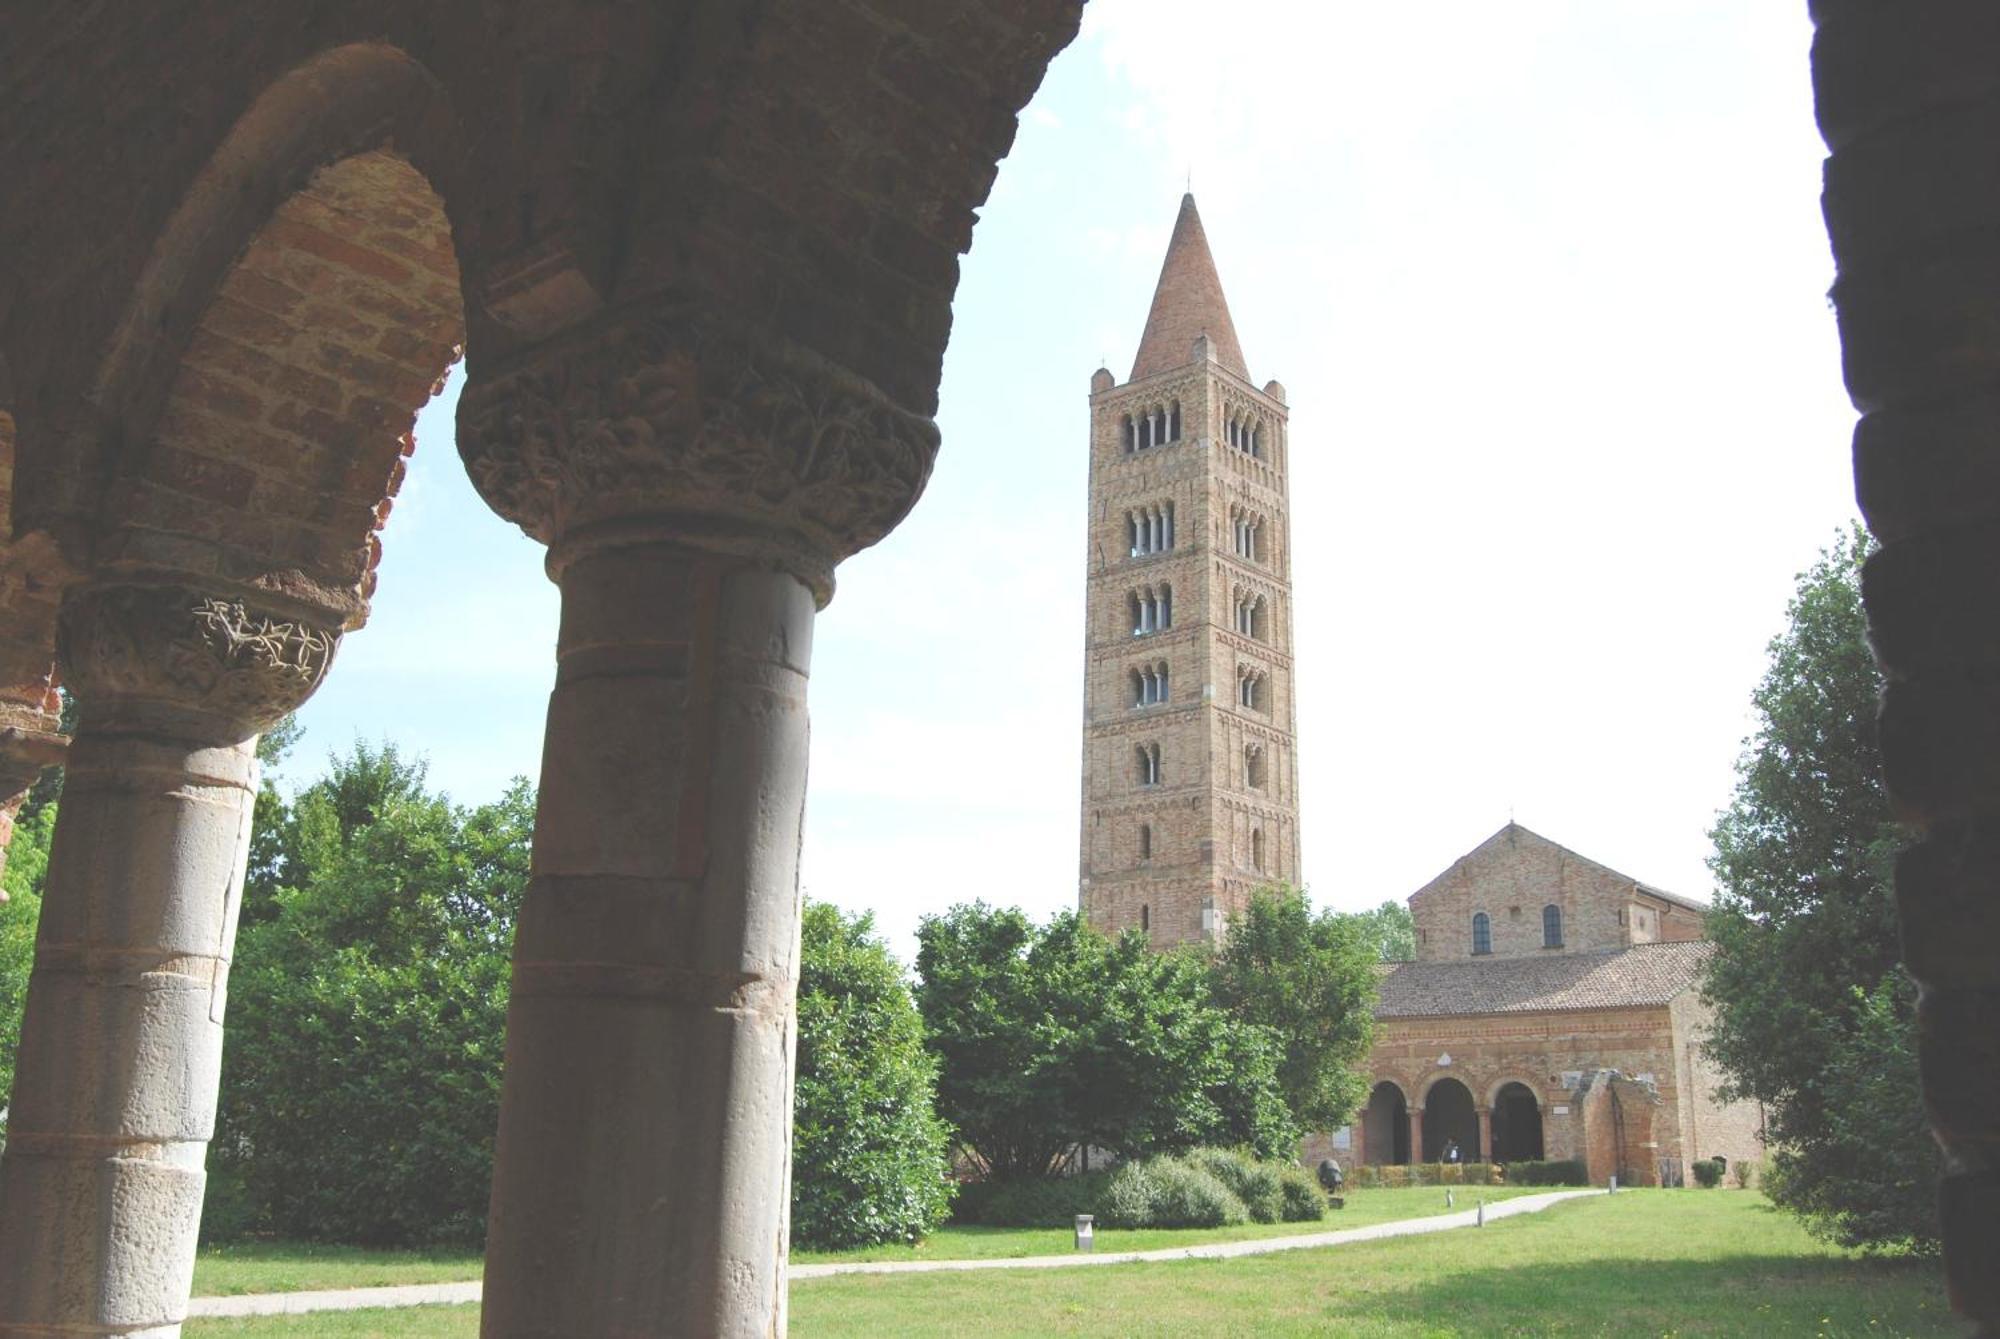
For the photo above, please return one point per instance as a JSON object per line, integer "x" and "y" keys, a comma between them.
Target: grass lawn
{"x": 285, "y": 1267}
{"x": 267, "y": 1267}
{"x": 1643, "y": 1263}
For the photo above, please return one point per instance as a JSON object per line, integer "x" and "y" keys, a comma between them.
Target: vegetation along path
{"x": 431, "y": 1294}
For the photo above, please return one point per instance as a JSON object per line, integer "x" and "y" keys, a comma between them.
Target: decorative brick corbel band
{"x": 149, "y": 656}
{"x": 670, "y": 423}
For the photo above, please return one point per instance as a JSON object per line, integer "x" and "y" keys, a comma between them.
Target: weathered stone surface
{"x": 645, "y": 1123}
{"x": 121, "y": 1044}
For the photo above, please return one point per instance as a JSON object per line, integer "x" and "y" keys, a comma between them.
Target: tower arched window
{"x": 1482, "y": 933}
{"x": 1150, "y": 529}
{"x": 1253, "y": 766}
{"x": 1552, "y": 926}
{"x": 1145, "y": 919}
{"x": 1145, "y": 841}
{"x": 1150, "y": 609}
{"x": 1174, "y": 421}
{"x": 1149, "y": 685}
{"x": 1257, "y": 849}
{"x": 1128, "y": 432}
{"x": 1250, "y": 616}
{"x": 1250, "y": 689}
{"x": 1149, "y": 764}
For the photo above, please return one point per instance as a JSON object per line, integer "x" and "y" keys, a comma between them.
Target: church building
{"x": 1552, "y": 1011}
{"x": 1190, "y": 773}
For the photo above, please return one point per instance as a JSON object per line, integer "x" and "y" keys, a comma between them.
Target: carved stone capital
{"x": 723, "y": 438}
{"x": 147, "y": 655}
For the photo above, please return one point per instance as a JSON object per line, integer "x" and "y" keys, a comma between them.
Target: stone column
{"x": 1907, "y": 106}
{"x": 121, "y": 1048}
{"x": 1484, "y": 1153}
{"x": 696, "y": 485}
{"x": 1415, "y": 1117}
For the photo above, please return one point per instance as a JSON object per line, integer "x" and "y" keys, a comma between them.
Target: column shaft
{"x": 121, "y": 1047}
{"x": 1415, "y": 1117}
{"x": 643, "y": 1164}
{"x": 1485, "y": 1150}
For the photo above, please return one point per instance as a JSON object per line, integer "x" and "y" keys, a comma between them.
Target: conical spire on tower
{"x": 1188, "y": 303}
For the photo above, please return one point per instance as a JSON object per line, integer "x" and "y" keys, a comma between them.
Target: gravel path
{"x": 446, "y": 1294}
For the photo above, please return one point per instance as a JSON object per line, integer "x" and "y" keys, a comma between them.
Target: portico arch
{"x": 1385, "y": 1125}
{"x": 1517, "y": 1123}
{"x": 1450, "y": 1117}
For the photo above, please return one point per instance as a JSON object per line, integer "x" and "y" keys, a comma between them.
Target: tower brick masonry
{"x": 1190, "y": 772}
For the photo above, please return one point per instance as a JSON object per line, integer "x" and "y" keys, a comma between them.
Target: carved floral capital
{"x": 666, "y": 414}
{"x": 137, "y": 651}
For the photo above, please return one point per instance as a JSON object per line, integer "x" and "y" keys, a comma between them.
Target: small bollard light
{"x": 1482, "y": 1215}
{"x": 1086, "y": 1236}
{"x": 1614, "y": 1185}
{"x": 1449, "y": 1202}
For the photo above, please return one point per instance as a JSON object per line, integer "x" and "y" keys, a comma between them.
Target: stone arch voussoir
{"x": 251, "y": 413}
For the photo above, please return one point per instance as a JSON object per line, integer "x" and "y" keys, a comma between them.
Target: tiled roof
{"x": 1625, "y": 978}
{"x": 1188, "y": 302}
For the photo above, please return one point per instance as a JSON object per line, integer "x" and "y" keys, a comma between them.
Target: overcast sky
{"x": 1545, "y": 283}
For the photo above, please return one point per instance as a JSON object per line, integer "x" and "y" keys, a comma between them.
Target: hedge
{"x": 1207, "y": 1187}
{"x": 1560, "y": 1172}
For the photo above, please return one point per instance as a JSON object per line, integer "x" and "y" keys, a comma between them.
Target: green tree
{"x": 870, "y": 1158}
{"x": 368, "y": 1002}
{"x": 1310, "y": 980}
{"x": 25, "y": 877}
{"x": 1392, "y": 930}
{"x": 1813, "y": 1015}
{"x": 1055, "y": 1038}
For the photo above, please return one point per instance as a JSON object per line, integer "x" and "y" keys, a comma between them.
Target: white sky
{"x": 1545, "y": 283}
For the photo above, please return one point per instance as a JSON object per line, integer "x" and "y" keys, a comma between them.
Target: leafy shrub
{"x": 1256, "y": 1183}
{"x": 1037, "y": 1201}
{"x": 1743, "y": 1173}
{"x": 1707, "y": 1173}
{"x": 1480, "y": 1174}
{"x": 1192, "y": 1197}
{"x": 1560, "y": 1172}
{"x": 1129, "y": 1196}
{"x": 1393, "y": 1177}
{"x": 1304, "y": 1201}
{"x": 869, "y": 1155}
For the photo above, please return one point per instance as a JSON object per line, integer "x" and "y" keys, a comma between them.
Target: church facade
{"x": 1552, "y": 1011}
{"x": 1190, "y": 774}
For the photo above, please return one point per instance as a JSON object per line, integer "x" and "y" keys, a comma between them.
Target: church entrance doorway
{"x": 1385, "y": 1126}
{"x": 1517, "y": 1125}
{"x": 1449, "y": 1117}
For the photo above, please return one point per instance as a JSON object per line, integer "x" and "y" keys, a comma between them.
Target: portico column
{"x": 696, "y": 484}
{"x": 121, "y": 1047}
{"x": 1415, "y": 1117}
{"x": 1484, "y": 1153}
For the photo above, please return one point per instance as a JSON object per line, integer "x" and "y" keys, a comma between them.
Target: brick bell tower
{"x": 1190, "y": 773}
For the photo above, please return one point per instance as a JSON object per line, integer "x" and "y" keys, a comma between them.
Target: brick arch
{"x": 347, "y": 100}
{"x": 1424, "y": 1086}
{"x": 1492, "y": 1090}
{"x": 279, "y": 444}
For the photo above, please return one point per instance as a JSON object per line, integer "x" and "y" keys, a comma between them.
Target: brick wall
{"x": 1212, "y": 834}
{"x": 1513, "y": 875}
